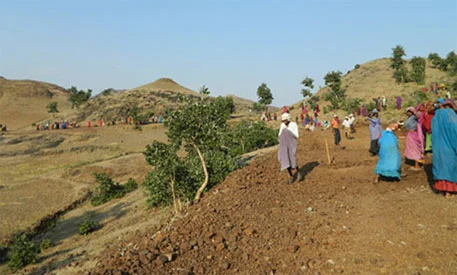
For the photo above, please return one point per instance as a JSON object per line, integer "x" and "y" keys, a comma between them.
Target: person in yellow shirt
{"x": 336, "y": 130}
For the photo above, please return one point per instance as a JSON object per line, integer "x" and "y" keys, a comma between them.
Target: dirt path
{"x": 335, "y": 221}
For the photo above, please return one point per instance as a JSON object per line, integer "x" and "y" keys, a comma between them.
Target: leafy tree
{"x": 351, "y": 104}
{"x": 107, "y": 92}
{"x": 164, "y": 158}
{"x": 402, "y": 75}
{"x": 204, "y": 90}
{"x": 257, "y": 107}
{"x": 265, "y": 95}
{"x": 308, "y": 86}
{"x": 201, "y": 126}
{"x": 249, "y": 136}
{"x": 22, "y": 252}
{"x": 451, "y": 60}
{"x": 227, "y": 103}
{"x": 418, "y": 69}
{"x": 397, "y": 61}
{"x": 52, "y": 107}
{"x": 87, "y": 227}
{"x": 78, "y": 97}
{"x": 336, "y": 95}
{"x": 435, "y": 59}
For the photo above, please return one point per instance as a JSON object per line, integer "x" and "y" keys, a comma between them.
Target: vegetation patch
{"x": 108, "y": 189}
{"x": 22, "y": 252}
{"x": 87, "y": 227}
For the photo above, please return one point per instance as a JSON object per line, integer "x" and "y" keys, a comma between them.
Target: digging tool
{"x": 328, "y": 154}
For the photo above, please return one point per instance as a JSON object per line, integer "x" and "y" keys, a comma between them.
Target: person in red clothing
{"x": 88, "y": 123}
{"x": 427, "y": 123}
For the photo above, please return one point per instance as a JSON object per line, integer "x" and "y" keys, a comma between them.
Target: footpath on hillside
{"x": 335, "y": 221}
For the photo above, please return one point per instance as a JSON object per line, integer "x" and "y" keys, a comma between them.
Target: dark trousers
{"x": 337, "y": 136}
{"x": 374, "y": 147}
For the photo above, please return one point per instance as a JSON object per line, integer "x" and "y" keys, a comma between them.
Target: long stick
{"x": 328, "y": 154}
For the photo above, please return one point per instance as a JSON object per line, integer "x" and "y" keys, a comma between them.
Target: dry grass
{"x": 23, "y": 102}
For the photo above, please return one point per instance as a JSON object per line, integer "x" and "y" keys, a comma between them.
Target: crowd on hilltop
{"x": 430, "y": 127}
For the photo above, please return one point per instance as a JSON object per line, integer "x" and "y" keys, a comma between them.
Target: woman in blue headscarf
{"x": 444, "y": 129}
{"x": 375, "y": 132}
{"x": 389, "y": 161}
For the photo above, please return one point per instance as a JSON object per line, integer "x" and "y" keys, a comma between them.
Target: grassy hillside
{"x": 23, "y": 102}
{"x": 375, "y": 78}
{"x": 155, "y": 97}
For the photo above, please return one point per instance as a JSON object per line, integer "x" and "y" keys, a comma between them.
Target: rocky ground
{"x": 335, "y": 221}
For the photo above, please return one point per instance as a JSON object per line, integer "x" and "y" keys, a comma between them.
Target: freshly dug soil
{"x": 335, "y": 221}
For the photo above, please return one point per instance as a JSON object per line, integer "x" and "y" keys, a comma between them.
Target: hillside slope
{"x": 23, "y": 102}
{"x": 156, "y": 97}
{"x": 375, "y": 79}
{"x": 335, "y": 221}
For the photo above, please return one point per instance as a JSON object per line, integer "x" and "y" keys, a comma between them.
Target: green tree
{"x": 451, "y": 60}
{"x": 265, "y": 95}
{"x": 308, "y": 87}
{"x": 78, "y": 97}
{"x": 435, "y": 59}
{"x": 164, "y": 158}
{"x": 227, "y": 103}
{"x": 22, "y": 252}
{"x": 418, "y": 70}
{"x": 201, "y": 126}
{"x": 52, "y": 107}
{"x": 397, "y": 61}
{"x": 204, "y": 90}
{"x": 107, "y": 92}
{"x": 337, "y": 95}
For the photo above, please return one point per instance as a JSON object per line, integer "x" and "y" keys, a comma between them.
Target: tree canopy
{"x": 264, "y": 94}
{"x": 308, "y": 86}
{"x": 78, "y": 97}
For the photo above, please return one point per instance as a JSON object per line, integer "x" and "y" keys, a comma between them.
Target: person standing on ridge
{"x": 288, "y": 135}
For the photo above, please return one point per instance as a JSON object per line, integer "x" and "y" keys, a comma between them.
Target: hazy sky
{"x": 229, "y": 46}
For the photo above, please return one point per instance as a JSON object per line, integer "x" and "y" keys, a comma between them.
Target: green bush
{"x": 370, "y": 106}
{"x": 130, "y": 186}
{"x": 46, "y": 244}
{"x": 88, "y": 227}
{"x": 107, "y": 190}
{"x": 22, "y": 252}
{"x": 356, "y": 66}
{"x": 250, "y": 136}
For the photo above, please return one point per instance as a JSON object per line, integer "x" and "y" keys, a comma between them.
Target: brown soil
{"x": 335, "y": 221}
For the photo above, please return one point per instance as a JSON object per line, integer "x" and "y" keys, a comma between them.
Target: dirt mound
{"x": 23, "y": 102}
{"x": 335, "y": 221}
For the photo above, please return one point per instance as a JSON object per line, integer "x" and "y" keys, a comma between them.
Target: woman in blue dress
{"x": 389, "y": 161}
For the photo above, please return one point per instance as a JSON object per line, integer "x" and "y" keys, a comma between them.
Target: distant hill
{"x": 155, "y": 97}
{"x": 23, "y": 102}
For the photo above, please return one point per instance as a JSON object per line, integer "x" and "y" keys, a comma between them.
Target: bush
{"x": 250, "y": 136}
{"x": 356, "y": 66}
{"x": 88, "y": 227}
{"x": 130, "y": 186}
{"x": 46, "y": 244}
{"x": 107, "y": 190}
{"x": 22, "y": 252}
{"x": 370, "y": 106}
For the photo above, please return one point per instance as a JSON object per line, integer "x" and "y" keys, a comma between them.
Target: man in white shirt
{"x": 347, "y": 127}
{"x": 288, "y": 135}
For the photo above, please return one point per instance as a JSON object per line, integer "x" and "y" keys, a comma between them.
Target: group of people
{"x": 56, "y": 125}
{"x": 430, "y": 127}
{"x": 3, "y": 127}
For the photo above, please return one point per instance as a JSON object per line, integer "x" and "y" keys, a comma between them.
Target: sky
{"x": 230, "y": 46}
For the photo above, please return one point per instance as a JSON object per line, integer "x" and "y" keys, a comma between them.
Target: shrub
{"x": 356, "y": 66}
{"x": 130, "y": 186}
{"x": 46, "y": 244}
{"x": 88, "y": 227}
{"x": 370, "y": 106}
{"x": 22, "y": 252}
{"x": 250, "y": 136}
{"x": 107, "y": 190}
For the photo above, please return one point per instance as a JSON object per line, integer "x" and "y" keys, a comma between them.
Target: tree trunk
{"x": 205, "y": 182}
{"x": 175, "y": 205}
